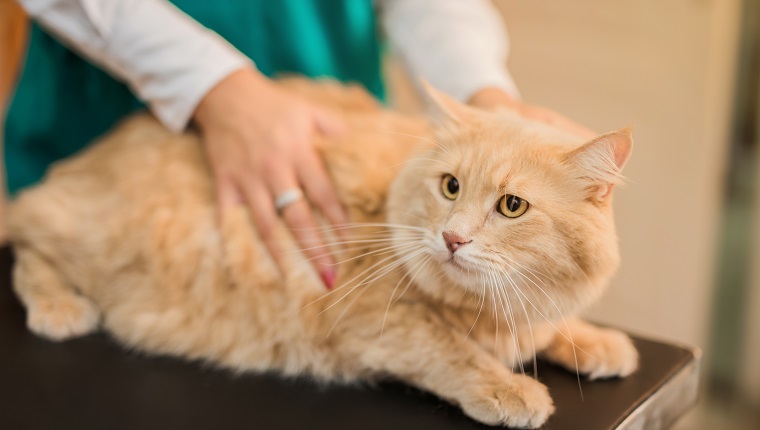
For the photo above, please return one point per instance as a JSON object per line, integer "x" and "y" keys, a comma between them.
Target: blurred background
{"x": 686, "y": 75}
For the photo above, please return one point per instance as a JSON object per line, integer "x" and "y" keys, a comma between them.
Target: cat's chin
{"x": 461, "y": 273}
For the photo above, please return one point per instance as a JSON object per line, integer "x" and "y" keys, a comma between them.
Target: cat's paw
{"x": 520, "y": 401}
{"x": 601, "y": 353}
{"x": 611, "y": 354}
{"x": 63, "y": 318}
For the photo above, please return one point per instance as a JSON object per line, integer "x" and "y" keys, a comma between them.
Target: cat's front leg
{"x": 440, "y": 360}
{"x": 594, "y": 351}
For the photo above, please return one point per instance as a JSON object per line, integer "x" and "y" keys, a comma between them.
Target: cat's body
{"x": 126, "y": 236}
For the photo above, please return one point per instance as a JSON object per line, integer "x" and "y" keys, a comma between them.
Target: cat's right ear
{"x": 446, "y": 108}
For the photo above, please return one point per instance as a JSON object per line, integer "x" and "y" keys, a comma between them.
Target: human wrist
{"x": 227, "y": 93}
{"x": 492, "y": 97}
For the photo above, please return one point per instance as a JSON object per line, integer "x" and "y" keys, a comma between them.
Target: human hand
{"x": 489, "y": 98}
{"x": 258, "y": 139}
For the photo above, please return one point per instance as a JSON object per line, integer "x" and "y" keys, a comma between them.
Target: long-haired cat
{"x": 471, "y": 247}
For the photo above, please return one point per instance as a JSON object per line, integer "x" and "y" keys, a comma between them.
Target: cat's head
{"x": 509, "y": 210}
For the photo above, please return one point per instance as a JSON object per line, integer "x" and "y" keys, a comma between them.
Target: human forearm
{"x": 459, "y": 47}
{"x": 169, "y": 60}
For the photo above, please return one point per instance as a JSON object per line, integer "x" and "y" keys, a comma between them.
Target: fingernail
{"x": 328, "y": 277}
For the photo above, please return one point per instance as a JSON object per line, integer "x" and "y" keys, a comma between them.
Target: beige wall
{"x": 667, "y": 68}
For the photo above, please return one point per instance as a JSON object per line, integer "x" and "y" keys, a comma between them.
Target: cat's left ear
{"x": 601, "y": 161}
{"x": 446, "y": 107}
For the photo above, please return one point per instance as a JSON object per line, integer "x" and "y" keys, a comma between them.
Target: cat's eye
{"x": 512, "y": 206}
{"x": 450, "y": 187}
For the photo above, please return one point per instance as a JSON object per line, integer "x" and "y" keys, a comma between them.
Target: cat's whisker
{"x": 375, "y": 253}
{"x": 495, "y": 317}
{"x": 388, "y": 307}
{"x": 403, "y": 260}
{"x": 381, "y": 251}
{"x": 377, "y": 224}
{"x": 343, "y": 312}
{"x": 346, "y": 249}
{"x": 506, "y": 319}
{"x": 345, "y": 284}
{"x": 477, "y": 317}
{"x": 379, "y": 273}
{"x": 527, "y": 318}
{"x": 545, "y": 294}
{"x": 514, "y": 329}
{"x": 569, "y": 335}
{"x": 386, "y": 229}
{"x": 343, "y": 250}
{"x": 346, "y": 236}
{"x": 516, "y": 335}
{"x": 572, "y": 343}
{"x": 492, "y": 284}
{"x": 340, "y": 316}
{"x": 411, "y": 280}
{"x": 346, "y": 242}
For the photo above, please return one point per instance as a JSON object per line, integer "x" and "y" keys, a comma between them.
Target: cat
{"x": 472, "y": 245}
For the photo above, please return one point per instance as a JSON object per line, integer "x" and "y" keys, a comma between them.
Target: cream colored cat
{"x": 471, "y": 249}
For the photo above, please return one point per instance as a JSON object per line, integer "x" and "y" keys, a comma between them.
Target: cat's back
{"x": 106, "y": 201}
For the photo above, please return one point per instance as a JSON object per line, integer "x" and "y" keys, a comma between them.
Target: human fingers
{"x": 227, "y": 194}
{"x": 293, "y": 208}
{"x": 262, "y": 210}
{"x": 320, "y": 189}
{"x": 328, "y": 123}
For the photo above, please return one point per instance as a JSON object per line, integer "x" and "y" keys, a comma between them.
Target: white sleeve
{"x": 458, "y": 46}
{"x": 168, "y": 59}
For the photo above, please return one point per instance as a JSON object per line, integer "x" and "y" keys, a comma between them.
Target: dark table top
{"x": 93, "y": 383}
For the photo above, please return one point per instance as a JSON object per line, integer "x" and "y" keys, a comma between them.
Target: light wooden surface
{"x": 13, "y": 26}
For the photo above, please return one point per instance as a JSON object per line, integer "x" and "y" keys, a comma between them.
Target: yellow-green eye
{"x": 450, "y": 187}
{"x": 512, "y": 206}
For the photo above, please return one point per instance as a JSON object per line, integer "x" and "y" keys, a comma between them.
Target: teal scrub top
{"x": 63, "y": 102}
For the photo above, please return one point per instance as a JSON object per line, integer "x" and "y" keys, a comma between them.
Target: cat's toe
{"x": 520, "y": 402}
{"x": 63, "y": 318}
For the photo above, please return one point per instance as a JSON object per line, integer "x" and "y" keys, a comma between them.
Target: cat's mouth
{"x": 457, "y": 263}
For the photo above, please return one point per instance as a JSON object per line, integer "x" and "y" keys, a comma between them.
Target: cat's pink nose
{"x": 454, "y": 241}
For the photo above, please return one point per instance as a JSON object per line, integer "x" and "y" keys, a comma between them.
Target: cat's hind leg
{"x": 54, "y": 310}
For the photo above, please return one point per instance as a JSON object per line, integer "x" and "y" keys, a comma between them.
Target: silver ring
{"x": 287, "y": 198}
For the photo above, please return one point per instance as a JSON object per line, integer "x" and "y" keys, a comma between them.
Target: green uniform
{"x": 63, "y": 102}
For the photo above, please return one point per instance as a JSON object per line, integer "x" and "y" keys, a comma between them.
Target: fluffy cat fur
{"x": 125, "y": 237}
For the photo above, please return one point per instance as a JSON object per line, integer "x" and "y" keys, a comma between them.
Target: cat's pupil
{"x": 513, "y": 203}
{"x": 453, "y": 185}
